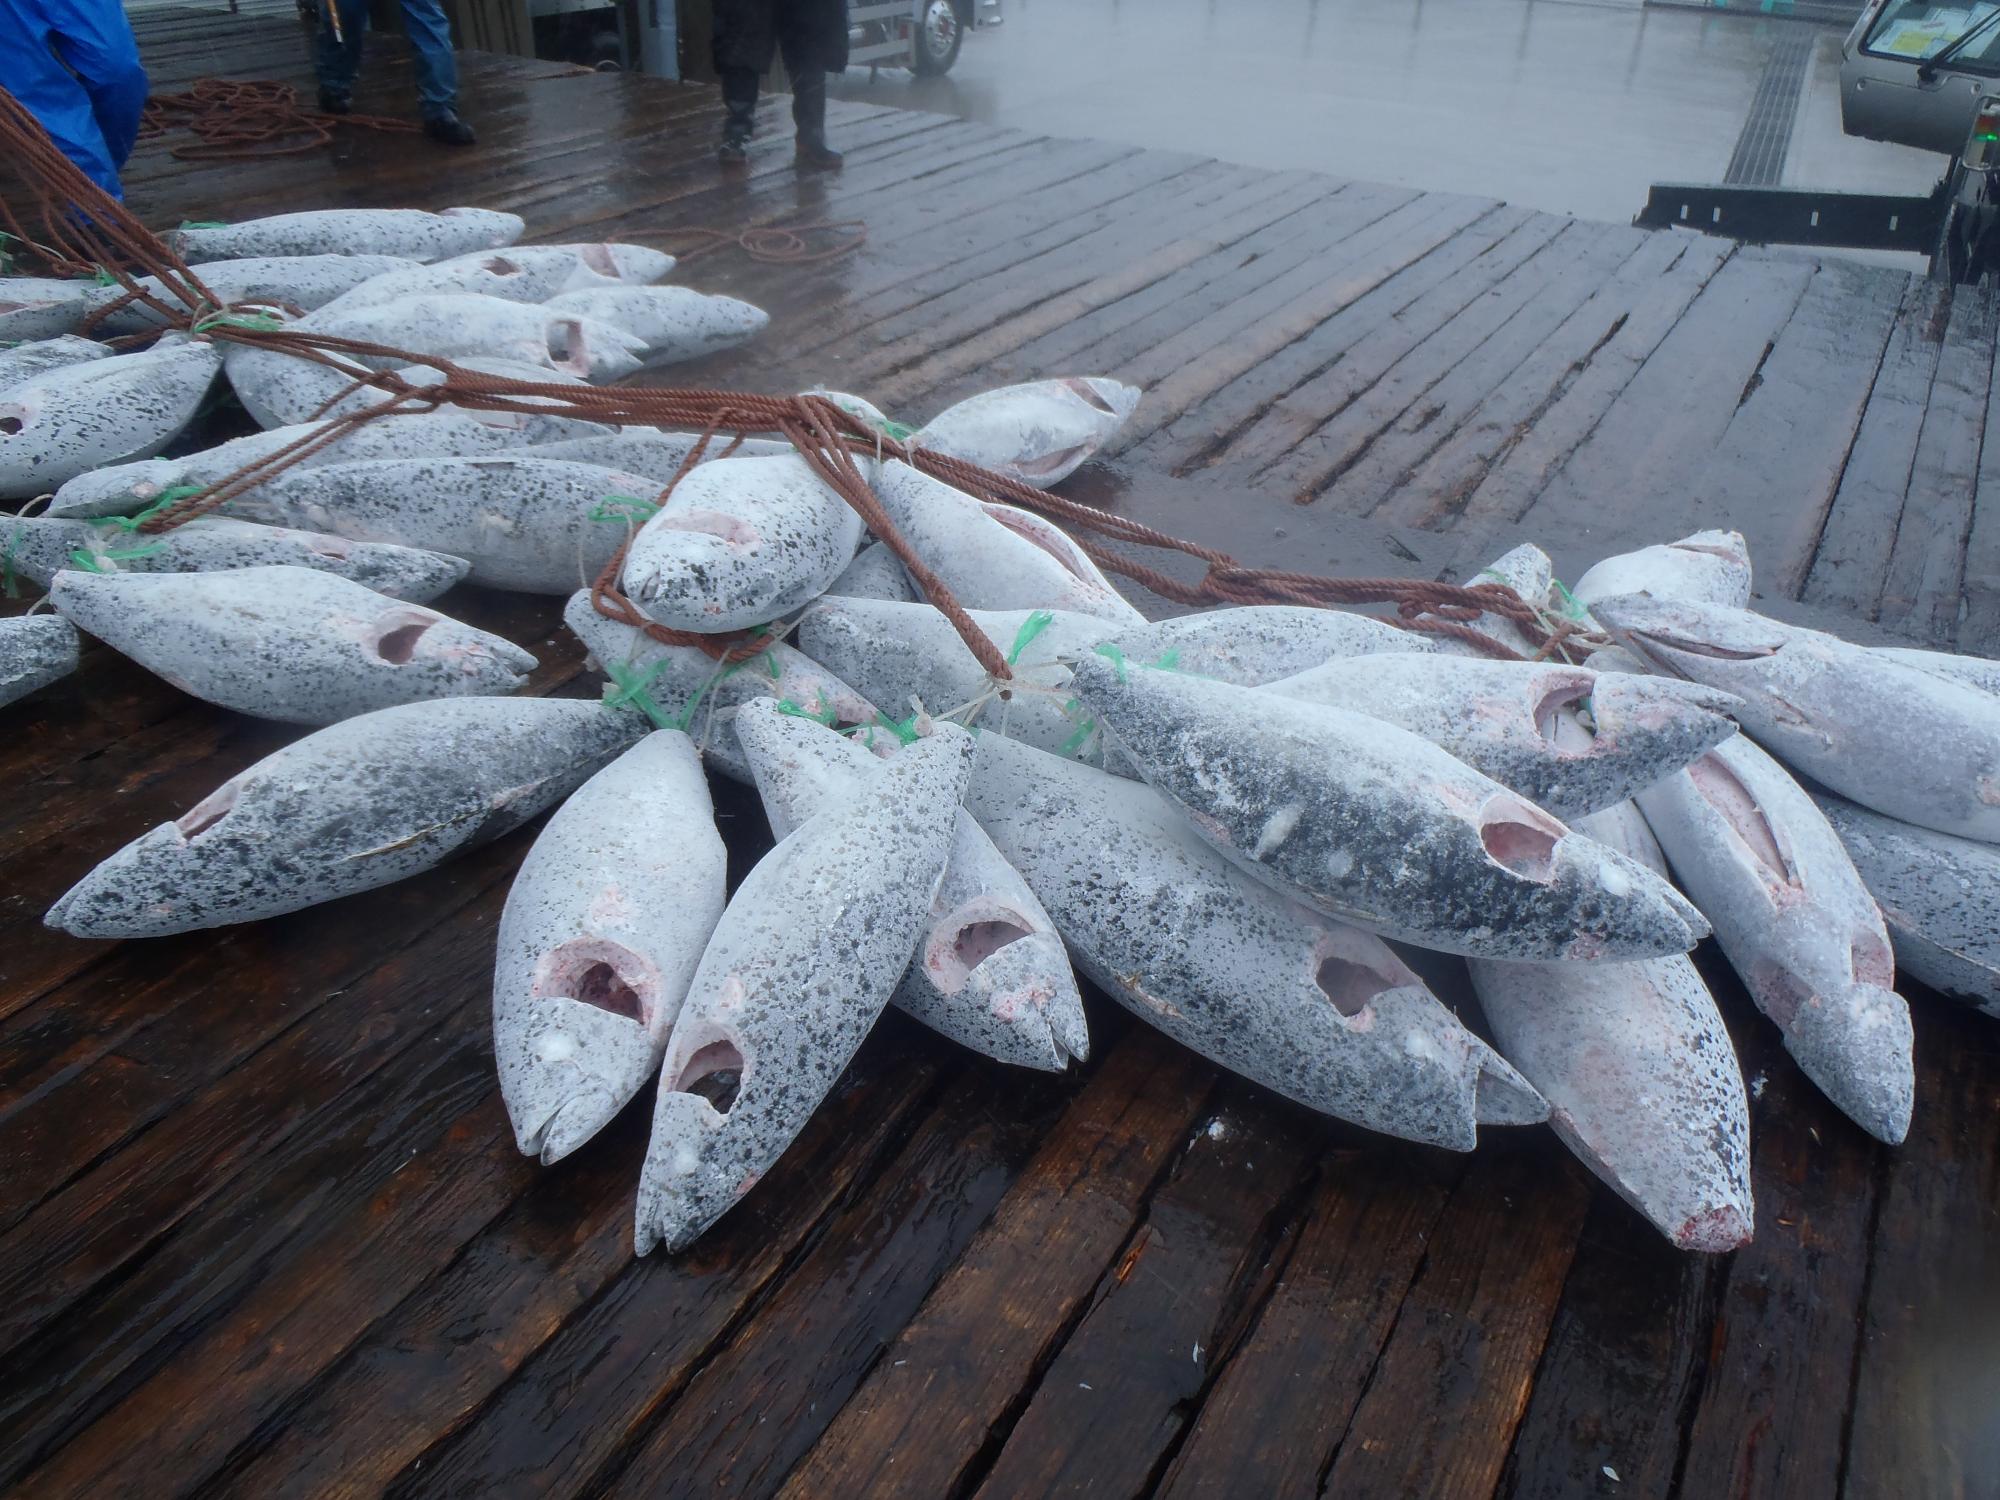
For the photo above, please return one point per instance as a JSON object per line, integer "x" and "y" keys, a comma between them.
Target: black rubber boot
{"x": 739, "y": 98}
{"x": 331, "y": 103}
{"x": 449, "y": 129}
{"x": 809, "y": 115}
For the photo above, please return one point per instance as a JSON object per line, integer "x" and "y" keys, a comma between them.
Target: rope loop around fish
{"x": 83, "y": 227}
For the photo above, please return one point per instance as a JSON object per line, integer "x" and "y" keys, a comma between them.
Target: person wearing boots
{"x": 343, "y": 23}
{"x": 811, "y": 36}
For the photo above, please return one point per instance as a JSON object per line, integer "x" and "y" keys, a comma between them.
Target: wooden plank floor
{"x": 263, "y": 1231}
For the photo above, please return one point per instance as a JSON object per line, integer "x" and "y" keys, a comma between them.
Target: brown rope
{"x": 236, "y": 118}
{"x": 774, "y": 244}
{"x": 84, "y": 225}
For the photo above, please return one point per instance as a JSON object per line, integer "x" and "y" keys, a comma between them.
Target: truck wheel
{"x": 939, "y": 36}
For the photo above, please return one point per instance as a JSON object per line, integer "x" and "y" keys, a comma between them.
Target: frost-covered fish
{"x": 301, "y": 282}
{"x": 65, "y": 422}
{"x": 290, "y": 644}
{"x": 989, "y": 971}
{"x": 40, "y": 547}
{"x": 652, "y": 451}
{"x": 740, "y": 542}
{"x": 465, "y": 325}
{"x": 603, "y": 263}
{"x": 39, "y": 356}
{"x": 1060, "y": 545}
{"x": 512, "y": 275}
{"x": 42, "y": 307}
{"x": 522, "y": 523}
{"x": 985, "y": 564}
{"x": 122, "y": 489}
{"x": 601, "y": 933}
{"x": 1499, "y": 717}
{"x": 281, "y": 390}
{"x": 1378, "y": 827}
{"x": 1708, "y": 567}
{"x": 34, "y": 651}
{"x": 1642, "y": 1082}
{"x": 1260, "y": 643}
{"x": 1796, "y": 923}
{"x": 1322, "y": 1012}
{"x": 1526, "y": 570}
{"x": 1906, "y": 742}
{"x": 895, "y": 652}
{"x": 361, "y": 804}
{"x": 407, "y": 232}
{"x": 1938, "y": 894}
{"x": 674, "y": 322}
{"x": 800, "y": 966}
{"x": 1038, "y": 433}
{"x": 874, "y": 574}
{"x": 1981, "y": 672}
{"x": 684, "y": 682}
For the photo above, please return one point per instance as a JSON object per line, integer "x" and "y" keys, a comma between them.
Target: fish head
{"x": 1711, "y": 643}
{"x": 495, "y": 227}
{"x": 116, "y": 490}
{"x": 733, "y": 319}
{"x": 157, "y": 881}
{"x": 1854, "y": 1041}
{"x": 1650, "y": 726}
{"x": 590, "y": 348}
{"x": 568, "y": 1062}
{"x": 1623, "y": 909}
{"x": 1112, "y": 399}
{"x": 1502, "y": 1096}
{"x": 634, "y": 265}
{"x": 691, "y": 1177}
{"x": 408, "y": 636}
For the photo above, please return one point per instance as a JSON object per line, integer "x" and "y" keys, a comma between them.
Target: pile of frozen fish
{"x": 1221, "y": 821}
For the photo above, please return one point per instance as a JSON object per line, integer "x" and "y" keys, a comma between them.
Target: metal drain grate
{"x": 1759, "y": 157}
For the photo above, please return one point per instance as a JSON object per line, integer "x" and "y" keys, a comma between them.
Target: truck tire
{"x": 939, "y": 36}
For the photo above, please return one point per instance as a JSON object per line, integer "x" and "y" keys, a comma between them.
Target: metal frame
{"x": 1798, "y": 216}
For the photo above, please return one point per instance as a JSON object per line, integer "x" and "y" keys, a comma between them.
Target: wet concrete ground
{"x": 1572, "y": 106}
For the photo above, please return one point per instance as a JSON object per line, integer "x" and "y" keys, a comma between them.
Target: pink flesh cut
{"x": 1518, "y": 839}
{"x": 574, "y": 355}
{"x": 714, "y": 1073}
{"x": 979, "y": 941}
{"x": 1871, "y": 961}
{"x": 499, "y": 265}
{"x": 397, "y": 632}
{"x": 1779, "y": 992}
{"x": 1714, "y": 1230}
{"x": 206, "y": 813}
{"x": 1704, "y": 648}
{"x": 718, "y": 524}
{"x": 1038, "y": 537}
{"x": 596, "y": 971}
{"x": 972, "y": 943}
{"x": 599, "y": 258}
{"x": 1052, "y": 463}
{"x": 1084, "y": 389}
{"x": 1730, "y": 797}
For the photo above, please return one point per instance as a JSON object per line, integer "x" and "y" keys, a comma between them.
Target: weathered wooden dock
{"x": 263, "y": 1230}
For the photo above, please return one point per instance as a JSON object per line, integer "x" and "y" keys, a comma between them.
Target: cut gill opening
{"x": 714, "y": 1073}
{"x": 1350, "y": 986}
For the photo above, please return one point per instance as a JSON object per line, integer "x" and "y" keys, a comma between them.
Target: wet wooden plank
{"x": 921, "y": 1418}
{"x": 1107, "y": 1411}
{"x": 1185, "y": 370}
{"x": 1452, "y": 1382}
{"x": 1412, "y": 303}
{"x": 1286, "y": 1393}
{"x": 1781, "y": 1346}
{"x": 1853, "y": 552}
{"x": 1350, "y": 462}
{"x": 1774, "y": 473}
{"x": 1926, "y": 1387}
{"x": 1545, "y": 438}
{"x": 429, "y": 1366}
{"x": 1436, "y": 488}
{"x": 753, "y": 1412}
{"x": 1636, "y": 469}
{"x": 1920, "y": 594}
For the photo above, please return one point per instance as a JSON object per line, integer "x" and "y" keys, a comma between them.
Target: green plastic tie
{"x": 103, "y": 277}
{"x": 1031, "y": 627}
{"x": 168, "y": 499}
{"x": 204, "y": 223}
{"x": 1570, "y": 606}
{"x": 897, "y": 430}
{"x": 906, "y": 731}
{"x": 259, "y": 322}
{"x": 623, "y": 508}
{"x": 93, "y": 562}
{"x": 1115, "y": 656}
{"x": 1083, "y": 732}
{"x": 823, "y": 714}
{"x": 630, "y": 687}
{"x": 1170, "y": 660}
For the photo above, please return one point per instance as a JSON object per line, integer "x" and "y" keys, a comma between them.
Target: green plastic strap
{"x": 168, "y": 499}
{"x": 630, "y": 687}
{"x": 1170, "y": 660}
{"x": 204, "y": 223}
{"x": 623, "y": 508}
{"x": 906, "y": 731}
{"x": 897, "y": 430}
{"x": 1570, "y": 607}
{"x": 823, "y": 714}
{"x": 1031, "y": 627}
{"x": 93, "y": 562}
{"x": 262, "y": 322}
{"x": 1083, "y": 733}
{"x": 103, "y": 277}
{"x": 1115, "y": 656}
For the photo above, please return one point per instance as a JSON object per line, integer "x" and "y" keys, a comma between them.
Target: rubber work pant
{"x": 75, "y": 65}
{"x": 338, "y": 59}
